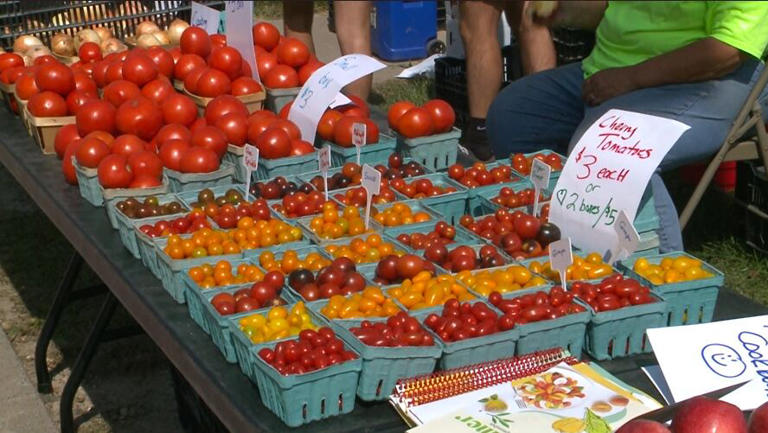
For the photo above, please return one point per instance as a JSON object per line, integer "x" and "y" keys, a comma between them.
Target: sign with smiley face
{"x": 697, "y": 359}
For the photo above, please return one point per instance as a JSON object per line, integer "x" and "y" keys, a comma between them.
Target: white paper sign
{"x": 251, "y": 163}
{"x": 323, "y": 86}
{"x": 627, "y": 238}
{"x": 323, "y": 164}
{"x": 371, "y": 181}
{"x": 239, "y": 35}
{"x": 540, "y": 172}
{"x": 358, "y": 137}
{"x": 560, "y": 257}
{"x": 339, "y": 100}
{"x": 697, "y": 359}
{"x": 205, "y": 17}
{"x": 607, "y": 171}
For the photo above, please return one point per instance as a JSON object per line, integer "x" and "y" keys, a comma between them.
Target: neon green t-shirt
{"x": 634, "y": 31}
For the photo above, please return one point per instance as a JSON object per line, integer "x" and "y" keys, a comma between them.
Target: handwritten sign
{"x": 560, "y": 257}
{"x": 251, "y": 163}
{"x": 606, "y": 172}
{"x": 239, "y": 23}
{"x": 205, "y": 17}
{"x": 358, "y": 137}
{"x": 540, "y": 172}
{"x": 697, "y": 359}
{"x": 627, "y": 238}
{"x": 371, "y": 181}
{"x": 323, "y": 86}
{"x": 323, "y": 164}
{"x": 339, "y": 100}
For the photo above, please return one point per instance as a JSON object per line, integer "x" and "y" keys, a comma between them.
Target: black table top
{"x": 229, "y": 393}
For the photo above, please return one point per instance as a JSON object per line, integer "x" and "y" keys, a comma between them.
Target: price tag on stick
{"x": 372, "y": 183}
{"x": 628, "y": 239}
{"x": 323, "y": 164}
{"x": 560, "y": 257}
{"x": 540, "y": 172}
{"x": 251, "y": 163}
{"x": 358, "y": 137}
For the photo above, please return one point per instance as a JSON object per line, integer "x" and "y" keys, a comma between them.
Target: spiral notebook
{"x": 546, "y": 391}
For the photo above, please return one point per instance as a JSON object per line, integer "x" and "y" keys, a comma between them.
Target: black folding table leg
{"x": 81, "y": 364}
{"x": 51, "y": 320}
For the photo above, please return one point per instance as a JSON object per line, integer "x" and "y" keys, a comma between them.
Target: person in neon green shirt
{"x": 694, "y": 62}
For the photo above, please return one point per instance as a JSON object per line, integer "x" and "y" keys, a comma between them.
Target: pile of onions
{"x": 86, "y": 35}
{"x": 25, "y": 42}
{"x": 63, "y": 45}
{"x": 112, "y": 45}
{"x": 175, "y": 29}
{"x": 146, "y": 28}
{"x": 34, "y": 52}
{"x": 104, "y": 33}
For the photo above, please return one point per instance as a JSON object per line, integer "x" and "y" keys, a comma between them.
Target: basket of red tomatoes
{"x": 426, "y": 133}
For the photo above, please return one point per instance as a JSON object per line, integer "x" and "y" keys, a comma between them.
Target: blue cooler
{"x": 404, "y": 29}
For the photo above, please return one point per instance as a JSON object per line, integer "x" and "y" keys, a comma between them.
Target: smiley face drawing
{"x": 723, "y": 360}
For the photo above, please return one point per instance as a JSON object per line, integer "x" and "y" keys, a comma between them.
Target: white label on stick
{"x": 371, "y": 181}
{"x": 627, "y": 237}
{"x": 560, "y": 257}
{"x": 606, "y": 172}
{"x": 323, "y": 164}
{"x": 205, "y": 17}
{"x": 323, "y": 86}
{"x": 540, "y": 172}
{"x": 251, "y": 163}
{"x": 239, "y": 34}
{"x": 358, "y": 137}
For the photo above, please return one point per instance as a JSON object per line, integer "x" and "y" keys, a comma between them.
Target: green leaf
{"x": 595, "y": 424}
{"x": 483, "y": 400}
{"x": 503, "y": 422}
{"x": 494, "y": 397}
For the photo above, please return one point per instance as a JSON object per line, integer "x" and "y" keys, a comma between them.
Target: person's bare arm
{"x": 585, "y": 15}
{"x": 537, "y": 52}
{"x": 705, "y": 59}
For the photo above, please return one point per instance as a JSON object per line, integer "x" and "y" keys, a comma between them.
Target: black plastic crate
{"x": 752, "y": 184}
{"x": 756, "y": 230}
{"x": 44, "y": 18}
{"x": 572, "y": 45}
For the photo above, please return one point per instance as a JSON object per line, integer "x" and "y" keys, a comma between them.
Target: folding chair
{"x": 735, "y": 147}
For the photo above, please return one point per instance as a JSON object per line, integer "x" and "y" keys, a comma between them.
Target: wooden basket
{"x": 44, "y": 129}
{"x": 7, "y": 91}
{"x": 253, "y": 102}
{"x": 22, "y": 106}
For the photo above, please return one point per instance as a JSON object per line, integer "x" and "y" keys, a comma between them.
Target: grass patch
{"x": 271, "y": 9}
{"x": 417, "y": 90}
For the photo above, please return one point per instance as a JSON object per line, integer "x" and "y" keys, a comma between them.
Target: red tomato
{"x": 162, "y": 59}
{"x": 186, "y": 64}
{"x": 117, "y": 92}
{"x": 227, "y": 60}
{"x": 222, "y": 105}
{"x": 100, "y": 72}
{"x": 197, "y": 124}
{"x": 26, "y": 87}
{"x": 114, "y": 72}
{"x": 66, "y": 134}
{"x": 218, "y": 41}
{"x": 91, "y": 151}
{"x": 172, "y": 131}
{"x": 127, "y": 144}
{"x": 10, "y": 60}
{"x": 245, "y": 86}
{"x": 47, "y": 104}
{"x": 234, "y": 126}
{"x": 158, "y": 90}
{"x": 292, "y": 52}
{"x": 273, "y": 143}
{"x": 281, "y": 77}
{"x": 96, "y": 115}
{"x": 10, "y": 75}
{"x": 89, "y": 52}
{"x": 257, "y": 126}
{"x": 245, "y": 69}
{"x": 306, "y": 71}
{"x": 199, "y": 160}
{"x": 139, "y": 68}
{"x": 289, "y": 127}
{"x": 527, "y": 226}
{"x": 178, "y": 108}
{"x": 442, "y": 114}
{"x": 76, "y": 99}
{"x": 301, "y": 147}
{"x": 195, "y": 40}
{"x": 416, "y": 122}
{"x": 286, "y": 110}
{"x": 66, "y": 162}
{"x": 396, "y": 110}
{"x": 342, "y": 131}
{"x": 211, "y": 138}
{"x": 190, "y": 81}
{"x": 213, "y": 83}
{"x": 84, "y": 82}
{"x": 113, "y": 172}
{"x": 358, "y": 105}
{"x": 145, "y": 181}
{"x": 326, "y": 124}
{"x": 145, "y": 163}
{"x": 265, "y": 62}
{"x": 175, "y": 53}
{"x": 265, "y": 35}
{"x": 260, "y": 114}
{"x": 171, "y": 152}
{"x": 140, "y": 117}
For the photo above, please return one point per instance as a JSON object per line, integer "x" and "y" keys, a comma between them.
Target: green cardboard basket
{"x": 436, "y": 152}
{"x": 125, "y": 225}
{"x": 88, "y": 182}
{"x": 180, "y": 182}
{"x": 372, "y": 153}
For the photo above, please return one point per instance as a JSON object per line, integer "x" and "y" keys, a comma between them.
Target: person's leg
{"x": 353, "y": 30}
{"x": 707, "y": 107}
{"x": 478, "y": 23}
{"x": 537, "y": 51}
{"x": 297, "y": 21}
{"x": 537, "y": 112}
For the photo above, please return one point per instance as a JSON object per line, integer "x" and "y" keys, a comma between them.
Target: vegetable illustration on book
{"x": 592, "y": 423}
{"x": 550, "y": 391}
{"x": 496, "y": 409}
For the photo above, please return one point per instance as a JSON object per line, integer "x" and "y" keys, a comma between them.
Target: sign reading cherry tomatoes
{"x": 323, "y": 164}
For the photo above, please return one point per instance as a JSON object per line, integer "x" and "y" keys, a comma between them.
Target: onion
{"x": 113, "y": 45}
{"x": 146, "y": 41}
{"x": 175, "y": 29}
{"x": 162, "y": 37}
{"x": 86, "y": 35}
{"x": 34, "y": 52}
{"x": 25, "y": 42}
{"x": 146, "y": 28}
{"x": 63, "y": 45}
{"x": 103, "y": 32}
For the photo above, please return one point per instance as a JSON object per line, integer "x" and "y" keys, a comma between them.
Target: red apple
{"x": 643, "y": 426}
{"x": 758, "y": 422}
{"x": 705, "y": 415}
